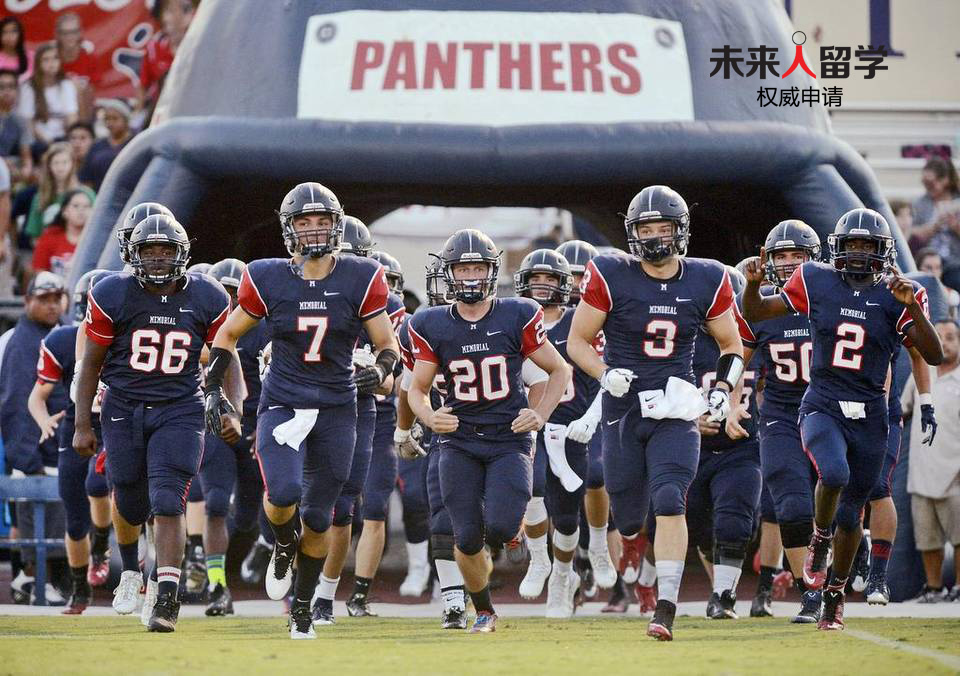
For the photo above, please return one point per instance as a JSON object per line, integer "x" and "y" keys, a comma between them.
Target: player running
{"x": 860, "y": 308}
{"x": 651, "y": 305}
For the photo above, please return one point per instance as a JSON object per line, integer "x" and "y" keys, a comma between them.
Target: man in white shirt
{"x": 933, "y": 477}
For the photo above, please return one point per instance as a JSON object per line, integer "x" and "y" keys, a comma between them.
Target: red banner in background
{"x": 115, "y": 32}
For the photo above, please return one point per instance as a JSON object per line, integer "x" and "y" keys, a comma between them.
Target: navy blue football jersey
{"x": 314, "y": 326}
{"x": 582, "y": 389}
{"x": 57, "y": 361}
{"x": 652, "y": 324}
{"x": 705, "y": 368}
{"x": 900, "y": 369}
{"x": 481, "y": 361}
{"x": 249, "y": 348}
{"x": 154, "y": 341}
{"x": 439, "y": 389}
{"x": 396, "y": 311}
{"x": 782, "y": 352}
{"x": 855, "y": 332}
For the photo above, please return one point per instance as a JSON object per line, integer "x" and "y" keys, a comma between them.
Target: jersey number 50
{"x": 148, "y": 348}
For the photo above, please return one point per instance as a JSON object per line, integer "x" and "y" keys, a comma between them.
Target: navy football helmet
{"x": 471, "y": 246}
{"x": 550, "y": 262}
{"x": 437, "y": 291}
{"x": 864, "y": 224}
{"x": 159, "y": 270}
{"x": 578, "y": 253}
{"x": 81, "y": 290}
{"x": 392, "y": 269}
{"x": 200, "y": 268}
{"x": 130, "y": 221}
{"x": 355, "y": 237}
{"x": 311, "y": 198}
{"x": 228, "y": 272}
{"x": 789, "y": 235}
{"x": 737, "y": 280}
{"x": 658, "y": 203}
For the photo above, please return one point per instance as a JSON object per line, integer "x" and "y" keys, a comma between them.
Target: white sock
{"x": 648, "y": 574}
{"x": 598, "y": 538}
{"x": 453, "y": 598}
{"x": 562, "y": 567}
{"x": 418, "y": 554}
{"x": 327, "y": 589}
{"x": 538, "y": 549}
{"x": 668, "y": 580}
{"x": 725, "y": 577}
{"x": 448, "y": 572}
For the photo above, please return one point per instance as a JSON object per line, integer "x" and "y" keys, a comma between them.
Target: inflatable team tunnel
{"x": 565, "y": 104}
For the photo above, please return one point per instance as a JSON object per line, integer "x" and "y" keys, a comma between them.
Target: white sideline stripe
{"x": 950, "y": 661}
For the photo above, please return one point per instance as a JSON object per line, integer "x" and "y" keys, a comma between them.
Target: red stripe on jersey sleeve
{"x": 406, "y": 356}
{"x": 600, "y": 343}
{"x": 249, "y": 298}
{"x": 746, "y": 333}
{"x": 217, "y": 323}
{"x": 49, "y": 369}
{"x": 795, "y": 293}
{"x": 421, "y": 348}
{"x": 594, "y": 289}
{"x": 375, "y": 299}
{"x": 905, "y": 320}
{"x": 396, "y": 319}
{"x": 534, "y": 335}
{"x": 722, "y": 298}
{"x": 98, "y": 324}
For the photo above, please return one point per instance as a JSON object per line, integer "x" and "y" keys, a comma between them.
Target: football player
{"x": 146, "y": 330}
{"x": 479, "y": 344}
{"x": 860, "y": 309}
{"x": 316, "y": 304}
{"x": 651, "y": 304}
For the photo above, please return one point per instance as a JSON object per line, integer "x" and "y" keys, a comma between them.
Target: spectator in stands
{"x": 930, "y": 261}
{"x": 78, "y": 63}
{"x": 49, "y": 98}
{"x": 933, "y": 476}
{"x": 936, "y": 214}
{"x": 175, "y": 15}
{"x": 903, "y": 211}
{"x": 81, "y": 136}
{"x": 58, "y": 176}
{"x": 13, "y": 54}
{"x": 8, "y": 251}
{"x": 44, "y": 302}
{"x": 55, "y": 247}
{"x": 15, "y": 134}
{"x": 116, "y": 118}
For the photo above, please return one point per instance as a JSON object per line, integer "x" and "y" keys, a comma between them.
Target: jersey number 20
{"x": 464, "y": 376}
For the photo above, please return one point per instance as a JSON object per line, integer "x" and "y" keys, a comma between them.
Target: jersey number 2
{"x": 846, "y": 350}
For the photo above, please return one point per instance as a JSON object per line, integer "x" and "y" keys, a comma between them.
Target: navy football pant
{"x": 890, "y": 458}
{"x": 313, "y": 474}
{"x": 594, "y": 476}
{"x": 563, "y": 507}
{"x": 348, "y": 501}
{"x": 153, "y": 453}
{"x": 382, "y": 476}
{"x": 788, "y": 474}
{"x": 646, "y": 462}
{"x": 412, "y": 484}
{"x": 847, "y": 454}
{"x": 724, "y": 496}
{"x": 485, "y": 487}
{"x": 440, "y": 523}
{"x": 232, "y": 471}
{"x": 78, "y": 481}
{"x": 540, "y": 463}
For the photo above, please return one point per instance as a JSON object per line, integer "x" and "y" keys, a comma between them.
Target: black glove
{"x": 928, "y": 424}
{"x": 215, "y": 404}
{"x": 368, "y": 379}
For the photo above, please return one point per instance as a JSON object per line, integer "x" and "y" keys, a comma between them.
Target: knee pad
{"x": 195, "y": 492}
{"x": 728, "y": 528}
{"x": 565, "y": 525}
{"x": 470, "y": 540}
{"x": 416, "y": 526}
{"x": 343, "y": 510}
{"x": 498, "y": 533}
{"x": 375, "y": 505}
{"x": 729, "y": 553}
{"x": 536, "y": 512}
{"x": 284, "y": 494}
{"x": 440, "y": 523}
{"x": 217, "y": 502}
{"x": 796, "y": 533}
{"x": 566, "y": 543}
{"x": 628, "y": 513}
{"x": 96, "y": 485}
{"x": 78, "y": 522}
{"x": 669, "y": 500}
{"x": 442, "y": 546}
{"x": 315, "y": 519}
{"x": 795, "y": 508}
{"x": 133, "y": 503}
{"x": 848, "y": 515}
{"x": 168, "y": 499}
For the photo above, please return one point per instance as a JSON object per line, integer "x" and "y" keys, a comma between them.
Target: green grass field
{"x": 55, "y": 645}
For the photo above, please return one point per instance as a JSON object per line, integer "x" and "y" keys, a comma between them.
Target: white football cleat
{"x": 538, "y": 570}
{"x": 416, "y": 581}
{"x": 149, "y": 601}
{"x": 127, "y": 593}
{"x": 604, "y": 572}
{"x": 561, "y": 594}
{"x": 279, "y": 577}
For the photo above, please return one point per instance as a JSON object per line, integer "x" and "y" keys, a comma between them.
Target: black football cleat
{"x": 809, "y": 612}
{"x": 79, "y": 600}
{"x": 301, "y": 622}
{"x": 762, "y": 605}
{"x": 713, "y": 604}
{"x": 725, "y": 607}
{"x": 221, "y": 602}
{"x": 358, "y": 605}
{"x": 165, "y": 613}
{"x": 323, "y": 613}
{"x": 832, "y": 617}
{"x": 454, "y": 618}
{"x": 877, "y": 591}
{"x": 254, "y": 566}
{"x": 661, "y": 626}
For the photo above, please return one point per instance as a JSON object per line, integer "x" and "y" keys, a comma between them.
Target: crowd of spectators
{"x": 59, "y": 136}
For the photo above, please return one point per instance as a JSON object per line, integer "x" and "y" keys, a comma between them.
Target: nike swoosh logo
{"x": 873, "y": 304}
{"x": 270, "y": 408}
{"x": 493, "y": 333}
{"x": 442, "y": 441}
{"x": 683, "y": 300}
{"x": 331, "y": 293}
{"x": 112, "y": 419}
{"x": 61, "y": 449}
{"x": 613, "y": 422}
{"x": 185, "y": 310}
{"x": 561, "y": 342}
{"x": 772, "y": 422}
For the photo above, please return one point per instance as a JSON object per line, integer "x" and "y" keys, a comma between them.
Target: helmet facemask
{"x": 471, "y": 291}
{"x": 654, "y": 249}
{"x": 779, "y": 274}
{"x": 557, "y": 293}
{"x": 862, "y": 264}
{"x": 315, "y": 241}
{"x": 159, "y": 262}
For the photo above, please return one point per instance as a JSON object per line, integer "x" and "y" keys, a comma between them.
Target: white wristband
{"x": 926, "y": 399}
